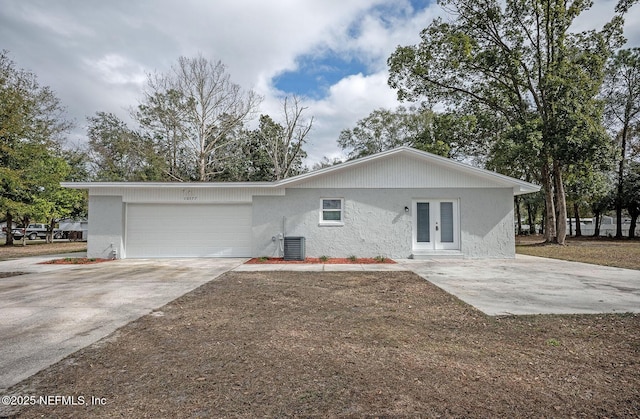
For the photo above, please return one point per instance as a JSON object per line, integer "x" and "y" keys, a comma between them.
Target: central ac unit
{"x": 294, "y": 248}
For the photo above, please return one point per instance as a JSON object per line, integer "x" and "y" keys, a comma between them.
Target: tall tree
{"x": 522, "y": 63}
{"x": 458, "y": 134}
{"x": 587, "y": 184}
{"x": 283, "y": 142}
{"x": 385, "y": 129}
{"x": 32, "y": 125}
{"x": 326, "y": 162}
{"x": 162, "y": 116}
{"x": 253, "y": 163}
{"x": 204, "y": 107}
{"x": 51, "y": 202}
{"x": 446, "y": 134}
{"x": 621, "y": 91}
{"x": 118, "y": 153}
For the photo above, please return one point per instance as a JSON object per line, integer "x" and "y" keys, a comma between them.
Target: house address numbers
{"x": 189, "y": 195}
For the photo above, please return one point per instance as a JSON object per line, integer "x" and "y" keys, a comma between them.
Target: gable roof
{"x": 379, "y": 170}
{"x": 457, "y": 174}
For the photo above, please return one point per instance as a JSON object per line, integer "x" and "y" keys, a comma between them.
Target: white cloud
{"x": 350, "y": 100}
{"x": 95, "y": 54}
{"x": 380, "y": 32}
{"x": 602, "y": 12}
{"x": 254, "y": 38}
{"x": 116, "y": 69}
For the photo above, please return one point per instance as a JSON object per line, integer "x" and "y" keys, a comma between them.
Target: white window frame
{"x": 334, "y": 223}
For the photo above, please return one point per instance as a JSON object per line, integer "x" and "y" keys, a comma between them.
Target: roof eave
{"x": 525, "y": 189}
{"x": 520, "y": 187}
{"x": 167, "y": 185}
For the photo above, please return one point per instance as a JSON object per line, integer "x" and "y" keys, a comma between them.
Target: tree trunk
{"x": 596, "y": 221}
{"x": 561, "y": 231}
{"x": 518, "y": 215}
{"x": 9, "y": 241}
{"x": 619, "y": 216}
{"x": 52, "y": 223}
{"x": 532, "y": 225}
{"x": 576, "y": 213}
{"x": 25, "y": 222}
{"x": 570, "y": 227}
{"x": 202, "y": 167}
{"x": 550, "y": 212}
{"x": 620, "y": 191}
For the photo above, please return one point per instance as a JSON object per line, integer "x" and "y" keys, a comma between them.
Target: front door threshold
{"x": 437, "y": 254}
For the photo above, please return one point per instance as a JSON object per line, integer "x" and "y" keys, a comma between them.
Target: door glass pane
{"x": 446, "y": 221}
{"x": 422, "y": 225}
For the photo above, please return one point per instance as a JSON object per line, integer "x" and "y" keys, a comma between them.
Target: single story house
{"x": 400, "y": 203}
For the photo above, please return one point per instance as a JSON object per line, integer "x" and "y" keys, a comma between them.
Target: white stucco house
{"x": 400, "y": 203}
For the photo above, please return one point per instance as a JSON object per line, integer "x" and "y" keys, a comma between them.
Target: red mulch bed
{"x": 330, "y": 261}
{"x": 75, "y": 261}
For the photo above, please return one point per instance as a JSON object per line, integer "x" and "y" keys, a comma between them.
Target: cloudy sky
{"x": 96, "y": 54}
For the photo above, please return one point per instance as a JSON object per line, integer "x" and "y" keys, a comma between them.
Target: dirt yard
{"x": 623, "y": 253}
{"x": 38, "y": 248}
{"x": 328, "y": 344}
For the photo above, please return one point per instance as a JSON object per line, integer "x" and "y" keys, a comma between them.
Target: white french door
{"x": 436, "y": 224}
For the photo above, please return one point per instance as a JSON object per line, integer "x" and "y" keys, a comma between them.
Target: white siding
{"x": 195, "y": 194}
{"x": 106, "y": 227}
{"x": 401, "y": 171}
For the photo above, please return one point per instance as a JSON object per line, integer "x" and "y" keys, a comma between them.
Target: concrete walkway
{"x": 533, "y": 285}
{"x": 320, "y": 267}
{"x": 57, "y": 309}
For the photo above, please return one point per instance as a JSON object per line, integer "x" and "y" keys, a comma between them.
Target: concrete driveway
{"x": 57, "y": 309}
{"x": 533, "y": 285}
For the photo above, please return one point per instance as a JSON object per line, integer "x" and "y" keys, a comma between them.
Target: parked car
{"x": 35, "y": 231}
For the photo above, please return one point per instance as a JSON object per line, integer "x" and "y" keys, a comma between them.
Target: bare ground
{"x": 623, "y": 253}
{"x": 39, "y": 248}
{"x": 347, "y": 344}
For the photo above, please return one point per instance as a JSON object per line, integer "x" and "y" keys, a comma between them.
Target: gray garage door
{"x": 188, "y": 230}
